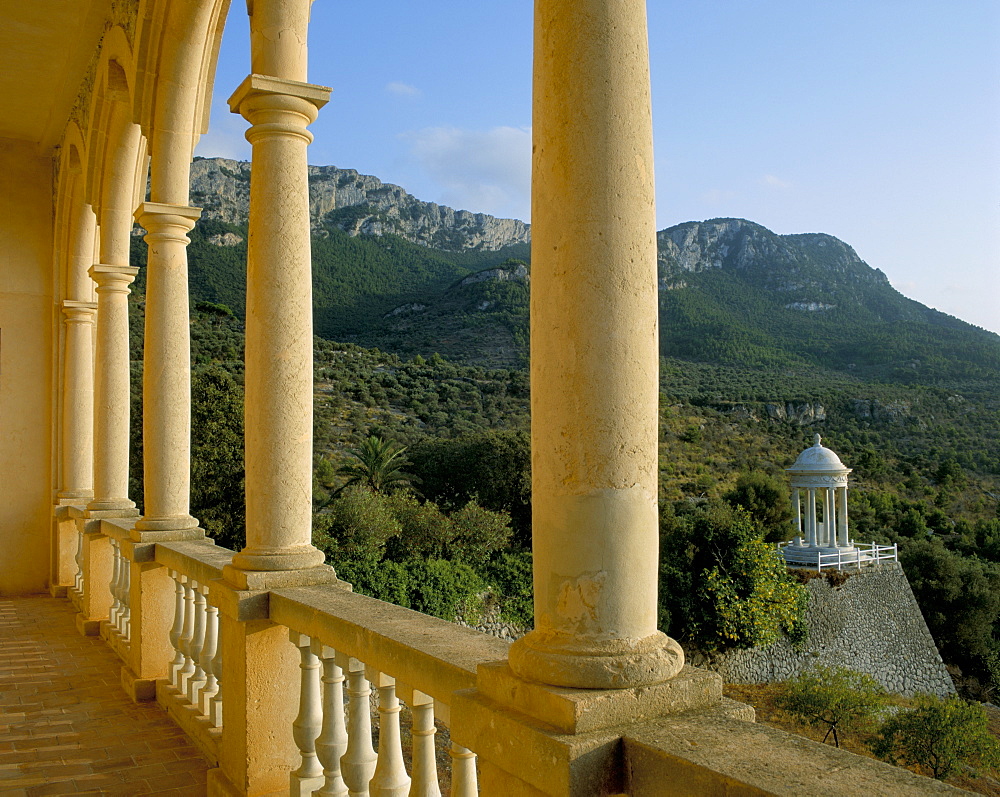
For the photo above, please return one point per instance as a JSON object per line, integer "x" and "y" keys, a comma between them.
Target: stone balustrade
{"x": 404, "y": 655}
{"x": 164, "y": 606}
{"x": 191, "y": 692}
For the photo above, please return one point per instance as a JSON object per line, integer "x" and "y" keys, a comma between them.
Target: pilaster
{"x": 260, "y": 697}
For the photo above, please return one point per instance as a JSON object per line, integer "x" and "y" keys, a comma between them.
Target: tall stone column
{"x": 594, "y": 354}
{"x": 166, "y": 384}
{"x": 111, "y": 390}
{"x": 258, "y": 749}
{"x": 78, "y": 403}
{"x": 279, "y": 356}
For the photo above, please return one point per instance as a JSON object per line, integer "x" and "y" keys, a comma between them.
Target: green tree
{"x": 725, "y": 587}
{"x": 939, "y": 735}
{"x": 960, "y": 599}
{"x": 377, "y": 465}
{"x": 833, "y": 697}
{"x": 217, "y": 475}
{"x": 492, "y": 467}
{"x": 768, "y": 502}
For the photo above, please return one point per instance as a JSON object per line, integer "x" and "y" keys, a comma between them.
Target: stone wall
{"x": 870, "y": 623}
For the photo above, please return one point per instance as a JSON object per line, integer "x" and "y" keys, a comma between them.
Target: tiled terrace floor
{"x": 66, "y": 726}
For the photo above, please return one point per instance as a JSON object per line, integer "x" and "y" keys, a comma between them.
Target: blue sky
{"x": 877, "y": 122}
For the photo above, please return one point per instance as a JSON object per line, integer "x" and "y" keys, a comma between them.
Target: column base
{"x": 116, "y": 505}
{"x": 75, "y": 496}
{"x": 243, "y": 579}
{"x": 610, "y": 664}
{"x": 173, "y": 523}
{"x": 301, "y": 557}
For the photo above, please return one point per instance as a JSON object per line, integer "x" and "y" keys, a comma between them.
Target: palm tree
{"x": 378, "y": 466}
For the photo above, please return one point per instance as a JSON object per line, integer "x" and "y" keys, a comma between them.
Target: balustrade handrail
{"x": 200, "y": 560}
{"x": 426, "y": 653}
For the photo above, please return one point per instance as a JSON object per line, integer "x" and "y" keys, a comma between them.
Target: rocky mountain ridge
{"x": 358, "y": 204}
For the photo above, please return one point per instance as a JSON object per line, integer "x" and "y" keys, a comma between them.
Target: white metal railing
{"x": 855, "y": 556}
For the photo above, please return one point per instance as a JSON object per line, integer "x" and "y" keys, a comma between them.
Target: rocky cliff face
{"x": 357, "y": 204}
{"x": 789, "y": 263}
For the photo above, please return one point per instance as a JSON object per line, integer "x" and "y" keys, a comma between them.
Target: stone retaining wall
{"x": 871, "y": 623}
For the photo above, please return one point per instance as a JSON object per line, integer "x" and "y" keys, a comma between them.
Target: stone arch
{"x": 176, "y": 61}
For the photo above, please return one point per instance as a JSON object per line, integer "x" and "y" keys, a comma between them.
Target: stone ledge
{"x": 697, "y": 754}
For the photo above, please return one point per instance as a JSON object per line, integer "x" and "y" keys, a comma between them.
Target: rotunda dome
{"x": 818, "y": 459}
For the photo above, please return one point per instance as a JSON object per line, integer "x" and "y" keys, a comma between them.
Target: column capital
{"x": 112, "y": 276}
{"x": 158, "y": 217}
{"x": 262, "y": 86}
{"x": 79, "y": 311}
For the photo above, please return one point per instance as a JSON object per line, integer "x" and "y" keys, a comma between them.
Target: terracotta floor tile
{"x": 66, "y": 727}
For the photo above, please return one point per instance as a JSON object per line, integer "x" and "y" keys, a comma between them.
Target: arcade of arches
{"x": 249, "y": 651}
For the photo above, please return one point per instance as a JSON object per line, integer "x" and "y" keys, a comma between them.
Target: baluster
{"x": 464, "y": 782}
{"x": 78, "y": 579}
{"x": 209, "y": 652}
{"x": 197, "y": 679}
{"x": 113, "y": 585}
{"x": 126, "y": 596}
{"x": 425, "y": 776}
{"x": 358, "y": 762}
{"x": 309, "y": 776}
{"x": 215, "y": 704}
{"x": 185, "y": 643}
{"x": 390, "y": 778}
{"x": 331, "y": 743}
{"x": 177, "y": 629}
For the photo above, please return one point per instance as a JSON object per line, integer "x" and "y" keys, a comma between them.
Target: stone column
{"x": 78, "y": 403}
{"x": 279, "y": 358}
{"x": 166, "y": 384}
{"x": 797, "y": 509}
{"x": 111, "y": 390}
{"x": 594, "y": 354}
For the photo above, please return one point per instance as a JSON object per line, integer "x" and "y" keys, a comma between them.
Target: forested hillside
{"x": 765, "y": 339}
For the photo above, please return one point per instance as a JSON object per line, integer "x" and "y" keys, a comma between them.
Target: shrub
{"x": 833, "y": 697}
{"x": 939, "y": 735}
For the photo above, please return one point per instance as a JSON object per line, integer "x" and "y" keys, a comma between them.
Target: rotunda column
{"x": 279, "y": 332}
{"x": 811, "y": 517}
{"x": 111, "y": 388}
{"x": 797, "y": 509}
{"x": 830, "y": 517}
{"x": 594, "y": 354}
{"x": 166, "y": 383}
{"x": 842, "y": 517}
